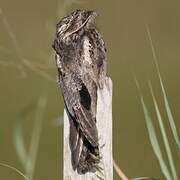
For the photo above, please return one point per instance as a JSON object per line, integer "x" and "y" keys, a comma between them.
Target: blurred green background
{"x": 30, "y": 101}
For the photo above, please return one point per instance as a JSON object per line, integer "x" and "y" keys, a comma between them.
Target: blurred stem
{"x": 14, "y": 169}
{"x": 24, "y": 62}
{"x": 34, "y": 144}
{"x": 20, "y": 145}
{"x": 119, "y": 171}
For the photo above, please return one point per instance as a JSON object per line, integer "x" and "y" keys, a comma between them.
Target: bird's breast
{"x": 87, "y": 59}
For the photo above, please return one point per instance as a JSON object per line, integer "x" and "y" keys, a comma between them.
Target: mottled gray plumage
{"x": 81, "y": 63}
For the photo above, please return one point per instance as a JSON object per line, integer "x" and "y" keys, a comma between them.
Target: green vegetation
{"x": 28, "y": 158}
{"x": 169, "y": 173}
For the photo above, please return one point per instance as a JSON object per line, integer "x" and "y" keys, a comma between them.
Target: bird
{"x": 80, "y": 55}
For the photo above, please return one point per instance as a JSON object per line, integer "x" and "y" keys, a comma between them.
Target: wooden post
{"x": 104, "y": 125}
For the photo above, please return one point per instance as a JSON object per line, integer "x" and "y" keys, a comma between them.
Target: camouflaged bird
{"x": 81, "y": 63}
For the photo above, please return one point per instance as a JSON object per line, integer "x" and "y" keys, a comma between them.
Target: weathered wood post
{"x": 104, "y": 125}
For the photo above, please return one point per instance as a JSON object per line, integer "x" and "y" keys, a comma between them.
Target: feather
{"x": 81, "y": 63}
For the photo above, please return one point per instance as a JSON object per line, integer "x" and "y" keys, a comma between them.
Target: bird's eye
{"x": 62, "y": 29}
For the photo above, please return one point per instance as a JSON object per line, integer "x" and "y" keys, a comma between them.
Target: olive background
{"x": 123, "y": 25}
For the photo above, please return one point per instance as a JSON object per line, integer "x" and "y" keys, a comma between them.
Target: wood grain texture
{"x": 104, "y": 125}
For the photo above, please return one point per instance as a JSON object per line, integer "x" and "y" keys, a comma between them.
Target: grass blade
{"x": 14, "y": 169}
{"x": 164, "y": 136}
{"x": 34, "y": 144}
{"x": 169, "y": 114}
{"x": 153, "y": 136}
{"x": 168, "y": 110}
{"x": 19, "y": 145}
{"x": 154, "y": 142}
{"x": 144, "y": 178}
{"x": 119, "y": 171}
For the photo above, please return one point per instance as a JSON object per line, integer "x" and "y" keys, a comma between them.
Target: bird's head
{"x": 74, "y": 22}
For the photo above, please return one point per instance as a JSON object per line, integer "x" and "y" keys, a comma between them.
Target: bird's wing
{"x": 78, "y": 104}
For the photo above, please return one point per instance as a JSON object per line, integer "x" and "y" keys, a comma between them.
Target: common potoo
{"x": 81, "y": 63}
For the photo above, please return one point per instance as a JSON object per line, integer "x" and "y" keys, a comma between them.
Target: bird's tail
{"x": 85, "y": 157}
